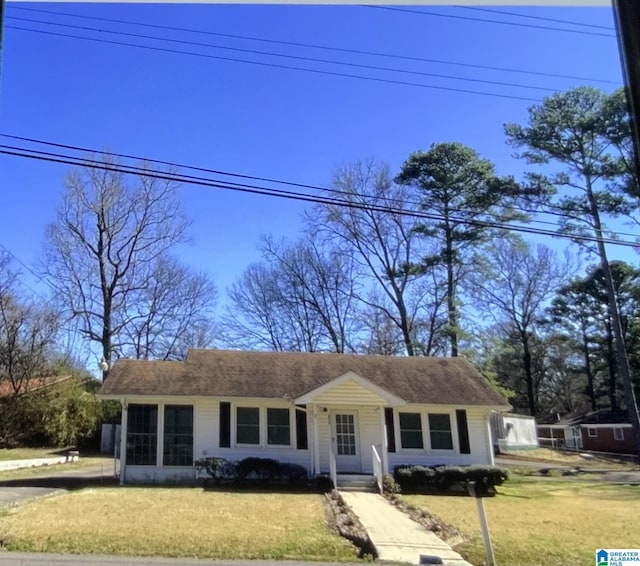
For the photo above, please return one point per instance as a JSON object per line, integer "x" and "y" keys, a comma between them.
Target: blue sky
{"x": 263, "y": 121}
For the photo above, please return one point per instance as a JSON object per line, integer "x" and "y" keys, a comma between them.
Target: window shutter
{"x": 391, "y": 433}
{"x": 225, "y": 425}
{"x": 301, "y": 428}
{"x": 463, "y": 431}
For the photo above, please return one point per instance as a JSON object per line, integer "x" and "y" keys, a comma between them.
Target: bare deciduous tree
{"x": 27, "y": 332}
{"x": 109, "y": 241}
{"x": 513, "y": 285}
{"x": 380, "y": 241}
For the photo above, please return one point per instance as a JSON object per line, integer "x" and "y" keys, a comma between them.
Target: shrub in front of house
{"x": 217, "y": 469}
{"x": 389, "y": 485}
{"x": 443, "y": 479}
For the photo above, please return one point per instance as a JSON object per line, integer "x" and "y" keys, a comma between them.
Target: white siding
{"x": 207, "y": 435}
{"x": 479, "y": 441}
{"x": 351, "y": 391}
{"x": 369, "y": 429}
{"x": 206, "y": 440}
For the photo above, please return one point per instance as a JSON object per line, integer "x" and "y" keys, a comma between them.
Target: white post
{"x": 316, "y": 441}
{"x": 492, "y": 460}
{"x": 123, "y": 442}
{"x": 488, "y": 547}
{"x": 384, "y": 456}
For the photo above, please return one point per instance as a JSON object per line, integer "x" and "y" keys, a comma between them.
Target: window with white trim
{"x": 618, "y": 433}
{"x": 278, "y": 427}
{"x": 411, "y": 430}
{"x": 593, "y": 433}
{"x": 142, "y": 435}
{"x": 247, "y": 425}
{"x": 440, "y": 431}
{"x": 178, "y": 435}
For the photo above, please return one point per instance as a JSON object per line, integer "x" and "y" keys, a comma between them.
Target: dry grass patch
{"x": 189, "y": 522}
{"x": 565, "y": 458}
{"x": 58, "y": 469}
{"x": 547, "y": 521}
{"x": 27, "y": 453}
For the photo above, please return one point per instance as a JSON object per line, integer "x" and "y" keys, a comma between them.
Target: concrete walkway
{"x": 398, "y": 538}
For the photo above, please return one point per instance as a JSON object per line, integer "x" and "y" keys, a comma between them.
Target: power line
{"x": 279, "y": 66}
{"x": 516, "y": 24}
{"x": 530, "y": 17}
{"x": 292, "y": 195}
{"x": 287, "y": 56}
{"x": 323, "y": 47}
{"x": 562, "y": 213}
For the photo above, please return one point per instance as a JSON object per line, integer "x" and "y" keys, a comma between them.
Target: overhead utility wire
{"x": 530, "y": 17}
{"x": 324, "y": 47}
{"x": 562, "y": 213}
{"x": 516, "y": 24}
{"x": 278, "y": 66}
{"x": 270, "y": 180}
{"x": 292, "y": 195}
{"x": 286, "y": 56}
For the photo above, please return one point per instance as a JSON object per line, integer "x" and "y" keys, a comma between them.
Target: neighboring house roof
{"x": 601, "y": 416}
{"x": 230, "y": 373}
{"x": 31, "y": 385}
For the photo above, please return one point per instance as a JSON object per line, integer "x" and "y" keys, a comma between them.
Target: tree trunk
{"x": 614, "y": 313}
{"x": 587, "y": 367}
{"x": 526, "y": 360}
{"x": 451, "y": 304}
{"x": 611, "y": 365}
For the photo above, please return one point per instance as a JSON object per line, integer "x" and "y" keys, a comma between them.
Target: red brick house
{"x": 600, "y": 431}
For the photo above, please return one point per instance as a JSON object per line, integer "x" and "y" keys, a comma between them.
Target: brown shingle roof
{"x": 227, "y": 373}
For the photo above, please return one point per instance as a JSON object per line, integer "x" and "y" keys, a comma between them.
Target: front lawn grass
{"x": 544, "y": 521}
{"x": 176, "y": 522}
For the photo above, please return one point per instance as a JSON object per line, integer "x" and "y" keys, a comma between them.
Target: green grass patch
{"x": 177, "y": 522}
{"x": 544, "y": 521}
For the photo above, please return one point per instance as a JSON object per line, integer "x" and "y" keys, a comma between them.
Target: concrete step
{"x": 357, "y": 482}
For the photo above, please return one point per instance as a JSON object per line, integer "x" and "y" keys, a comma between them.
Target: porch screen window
{"x": 440, "y": 430}
{"x": 411, "y": 430}
{"x": 248, "y": 425}
{"x": 178, "y": 435}
{"x": 142, "y": 435}
{"x": 278, "y": 427}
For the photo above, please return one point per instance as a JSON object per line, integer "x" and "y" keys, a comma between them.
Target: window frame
{"x": 278, "y": 426}
{"x": 451, "y": 431}
{"x": 616, "y": 430}
{"x": 263, "y": 433}
{"x": 593, "y": 430}
{"x": 165, "y": 434}
{"x": 236, "y": 425}
{"x": 421, "y": 430}
{"x": 153, "y": 435}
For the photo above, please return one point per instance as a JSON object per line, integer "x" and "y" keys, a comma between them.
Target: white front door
{"x": 346, "y": 441}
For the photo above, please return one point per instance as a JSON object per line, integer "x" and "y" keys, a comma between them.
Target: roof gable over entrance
{"x": 350, "y": 388}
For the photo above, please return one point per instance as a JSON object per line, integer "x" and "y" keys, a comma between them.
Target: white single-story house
{"x": 326, "y": 412}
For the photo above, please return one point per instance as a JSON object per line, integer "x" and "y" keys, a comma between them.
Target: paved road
{"x": 37, "y": 559}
